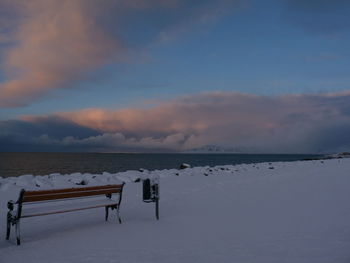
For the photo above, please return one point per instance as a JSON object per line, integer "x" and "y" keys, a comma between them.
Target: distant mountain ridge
{"x": 211, "y": 148}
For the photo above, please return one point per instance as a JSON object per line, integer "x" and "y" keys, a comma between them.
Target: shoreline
{"x": 78, "y": 179}
{"x": 16, "y": 164}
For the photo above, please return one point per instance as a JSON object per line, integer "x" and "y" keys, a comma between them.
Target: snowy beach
{"x": 267, "y": 212}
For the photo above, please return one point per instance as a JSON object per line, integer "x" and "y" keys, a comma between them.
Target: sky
{"x": 172, "y": 75}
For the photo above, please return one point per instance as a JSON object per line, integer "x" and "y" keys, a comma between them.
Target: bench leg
{"x": 118, "y": 215}
{"x": 106, "y": 215}
{"x": 157, "y": 209}
{"x": 18, "y": 233}
{"x": 8, "y": 226}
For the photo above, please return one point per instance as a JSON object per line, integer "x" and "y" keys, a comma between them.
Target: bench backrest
{"x": 46, "y": 195}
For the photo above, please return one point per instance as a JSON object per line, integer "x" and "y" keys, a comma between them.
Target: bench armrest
{"x": 10, "y": 205}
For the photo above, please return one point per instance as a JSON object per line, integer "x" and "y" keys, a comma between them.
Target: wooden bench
{"x": 47, "y": 202}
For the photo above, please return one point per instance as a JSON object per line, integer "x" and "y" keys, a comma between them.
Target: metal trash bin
{"x": 150, "y": 192}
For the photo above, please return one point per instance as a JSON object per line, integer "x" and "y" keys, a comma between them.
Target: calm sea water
{"x": 15, "y": 164}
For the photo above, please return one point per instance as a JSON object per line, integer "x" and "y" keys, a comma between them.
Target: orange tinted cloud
{"x": 55, "y": 42}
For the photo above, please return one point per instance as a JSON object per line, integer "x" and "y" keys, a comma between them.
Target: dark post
{"x": 147, "y": 190}
{"x": 157, "y": 209}
{"x": 151, "y": 193}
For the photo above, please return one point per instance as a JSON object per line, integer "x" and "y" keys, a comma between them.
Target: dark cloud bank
{"x": 284, "y": 124}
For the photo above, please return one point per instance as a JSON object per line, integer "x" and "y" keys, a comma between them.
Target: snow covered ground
{"x": 279, "y": 212}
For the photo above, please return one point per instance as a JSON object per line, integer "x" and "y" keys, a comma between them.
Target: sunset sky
{"x": 267, "y": 76}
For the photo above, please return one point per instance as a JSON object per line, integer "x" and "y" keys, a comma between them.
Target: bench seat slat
{"x": 65, "y": 206}
{"x": 64, "y": 195}
{"x": 68, "y": 190}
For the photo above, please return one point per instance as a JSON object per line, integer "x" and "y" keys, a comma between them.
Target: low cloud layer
{"x": 283, "y": 124}
{"x": 52, "y": 44}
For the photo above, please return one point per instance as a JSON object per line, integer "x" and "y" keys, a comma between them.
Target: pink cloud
{"x": 55, "y": 42}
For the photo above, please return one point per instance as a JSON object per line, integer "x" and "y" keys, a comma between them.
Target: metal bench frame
{"x": 44, "y": 196}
